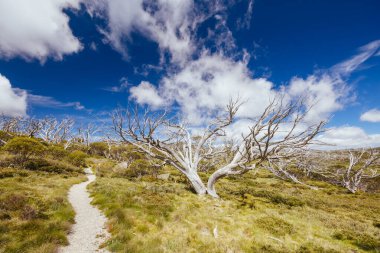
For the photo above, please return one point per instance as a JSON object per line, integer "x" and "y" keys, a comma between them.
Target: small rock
{"x": 205, "y": 232}
{"x": 164, "y": 176}
{"x": 122, "y": 165}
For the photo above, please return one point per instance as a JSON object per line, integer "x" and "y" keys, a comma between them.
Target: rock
{"x": 205, "y": 232}
{"x": 164, "y": 176}
{"x": 122, "y": 165}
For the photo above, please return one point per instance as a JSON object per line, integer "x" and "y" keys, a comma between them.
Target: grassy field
{"x": 257, "y": 213}
{"x": 35, "y": 215}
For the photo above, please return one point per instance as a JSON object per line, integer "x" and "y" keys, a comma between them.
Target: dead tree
{"x": 31, "y": 127}
{"x": 359, "y": 168}
{"x": 274, "y": 139}
{"x": 87, "y": 132}
{"x": 10, "y": 127}
{"x": 55, "y": 131}
{"x": 173, "y": 142}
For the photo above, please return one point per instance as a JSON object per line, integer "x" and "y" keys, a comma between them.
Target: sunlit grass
{"x": 255, "y": 214}
{"x": 35, "y": 215}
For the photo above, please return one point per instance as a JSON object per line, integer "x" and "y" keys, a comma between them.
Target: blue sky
{"x": 105, "y": 53}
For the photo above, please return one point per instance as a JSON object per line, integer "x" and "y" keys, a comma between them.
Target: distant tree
{"x": 359, "y": 168}
{"x": 56, "y": 131}
{"x": 334, "y": 167}
{"x": 86, "y": 133}
{"x": 23, "y": 148}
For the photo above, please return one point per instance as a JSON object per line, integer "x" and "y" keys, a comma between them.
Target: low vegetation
{"x": 256, "y": 213}
{"x": 272, "y": 194}
{"x": 35, "y": 215}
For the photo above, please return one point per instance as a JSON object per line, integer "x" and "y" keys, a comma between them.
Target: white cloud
{"x": 371, "y": 116}
{"x": 172, "y": 24}
{"x": 245, "y": 22}
{"x": 207, "y": 85}
{"x": 323, "y": 95}
{"x": 12, "y": 103}
{"x": 146, "y": 93}
{"x": 50, "y": 102}
{"x": 349, "y": 137}
{"x": 367, "y": 51}
{"x": 166, "y": 22}
{"x": 123, "y": 85}
{"x": 36, "y": 29}
{"x": 328, "y": 91}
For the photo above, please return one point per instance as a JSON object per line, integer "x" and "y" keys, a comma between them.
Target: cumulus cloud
{"x": 323, "y": 95}
{"x": 349, "y": 137}
{"x": 206, "y": 85}
{"x": 371, "y": 116}
{"x": 12, "y": 103}
{"x": 36, "y": 29}
{"x": 146, "y": 93}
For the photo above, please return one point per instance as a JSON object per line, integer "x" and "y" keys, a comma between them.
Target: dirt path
{"x": 89, "y": 230}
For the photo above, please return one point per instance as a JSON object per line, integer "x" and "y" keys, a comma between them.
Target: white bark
{"x": 176, "y": 145}
{"x": 354, "y": 173}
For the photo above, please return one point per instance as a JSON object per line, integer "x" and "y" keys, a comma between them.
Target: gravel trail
{"x": 88, "y": 232}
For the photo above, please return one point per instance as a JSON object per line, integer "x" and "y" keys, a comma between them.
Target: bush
{"x": 362, "y": 240}
{"x": 5, "y": 136}
{"x": 125, "y": 153}
{"x": 51, "y": 166}
{"x": 98, "y": 148}
{"x": 275, "y": 226}
{"x": 36, "y": 164}
{"x": 57, "y": 152}
{"x": 78, "y": 158}
{"x": 136, "y": 169}
{"x": 23, "y": 148}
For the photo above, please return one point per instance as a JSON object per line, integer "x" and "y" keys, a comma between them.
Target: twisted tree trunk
{"x": 196, "y": 182}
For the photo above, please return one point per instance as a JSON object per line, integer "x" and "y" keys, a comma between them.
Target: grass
{"x": 35, "y": 215}
{"x": 256, "y": 213}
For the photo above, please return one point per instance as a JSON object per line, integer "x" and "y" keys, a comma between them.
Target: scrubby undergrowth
{"x": 35, "y": 215}
{"x": 257, "y": 213}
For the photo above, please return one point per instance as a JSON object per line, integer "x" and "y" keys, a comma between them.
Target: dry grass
{"x": 256, "y": 214}
{"x": 35, "y": 215}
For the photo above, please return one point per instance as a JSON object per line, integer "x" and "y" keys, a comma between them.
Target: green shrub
{"x": 11, "y": 172}
{"x": 275, "y": 226}
{"x": 36, "y": 164}
{"x": 5, "y": 136}
{"x": 51, "y": 166}
{"x": 276, "y": 198}
{"x": 23, "y": 148}
{"x": 98, "y": 148}
{"x": 57, "y": 152}
{"x": 78, "y": 158}
{"x": 103, "y": 167}
{"x": 362, "y": 240}
{"x": 136, "y": 169}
